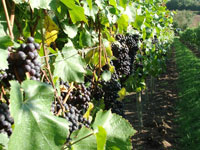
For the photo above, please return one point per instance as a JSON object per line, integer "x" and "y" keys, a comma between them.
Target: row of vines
{"x": 66, "y": 66}
{"x": 188, "y": 88}
{"x": 191, "y": 37}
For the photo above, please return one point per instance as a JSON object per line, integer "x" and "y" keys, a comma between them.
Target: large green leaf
{"x": 4, "y": 141}
{"x": 118, "y": 130}
{"x": 71, "y": 66}
{"x": 123, "y": 23}
{"x": 123, "y": 3}
{"x": 84, "y": 139}
{"x": 101, "y": 138}
{"x": 89, "y": 3}
{"x": 76, "y": 12}
{"x": 3, "y": 58}
{"x": 5, "y": 41}
{"x": 70, "y": 30}
{"x": 35, "y": 127}
{"x": 85, "y": 39}
{"x": 139, "y": 20}
{"x": 113, "y": 3}
{"x": 36, "y": 3}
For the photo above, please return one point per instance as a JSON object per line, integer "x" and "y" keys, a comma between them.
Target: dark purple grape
{"x": 36, "y": 62}
{"x": 37, "y": 75}
{"x": 22, "y": 55}
{"x": 32, "y": 72}
{"x": 37, "y": 46}
{"x": 30, "y": 47}
{"x": 30, "y": 40}
{"x": 31, "y": 55}
{"x": 28, "y": 68}
{"x": 22, "y": 47}
{"x": 32, "y": 65}
{"x": 35, "y": 53}
{"x": 28, "y": 61}
{"x": 37, "y": 68}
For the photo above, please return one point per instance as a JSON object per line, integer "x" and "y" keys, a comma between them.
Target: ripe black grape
{"x": 6, "y": 120}
{"x": 30, "y": 40}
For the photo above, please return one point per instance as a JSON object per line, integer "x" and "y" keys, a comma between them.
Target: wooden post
{"x": 139, "y": 108}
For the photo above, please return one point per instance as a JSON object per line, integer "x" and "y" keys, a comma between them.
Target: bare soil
{"x": 159, "y": 114}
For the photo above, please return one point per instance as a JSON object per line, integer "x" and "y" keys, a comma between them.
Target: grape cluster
{"x": 25, "y": 59}
{"x": 75, "y": 107}
{"x": 75, "y": 118}
{"x": 80, "y": 97}
{"x": 125, "y": 51}
{"x": 6, "y": 120}
{"x": 123, "y": 62}
{"x": 111, "y": 89}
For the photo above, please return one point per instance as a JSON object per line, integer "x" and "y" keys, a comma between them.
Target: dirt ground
{"x": 159, "y": 126}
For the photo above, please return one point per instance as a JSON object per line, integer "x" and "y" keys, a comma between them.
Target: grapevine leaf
{"x": 113, "y": 3}
{"x": 89, "y": 3}
{"x": 123, "y": 3}
{"x": 4, "y": 141}
{"x": 138, "y": 21}
{"x": 71, "y": 31}
{"x": 69, "y": 3}
{"x": 106, "y": 75}
{"x": 88, "y": 112}
{"x": 51, "y": 30}
{"x": 123, "y": 23}
{"x": 122, "y": 94}
{"x": 3, "y": 58}
{"x": 83, "y": 139}
{"x": 36, "y": 3}
{"x": 35, "y": 126}
{"x": 5, "y": 42}
{"x": 70, "y": 67}
{"x": 118, "y": 130}
{"x": 101, "y": 138}
{"x": 76, "y": 12}
{"x": 85, "y": 39}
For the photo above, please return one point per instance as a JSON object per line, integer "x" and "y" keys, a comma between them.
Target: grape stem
{"x": 66, "y": 97}
{"x": 8, "y": 20}
{"x": 49, "y": 69}
{"x": 82, "y": 139}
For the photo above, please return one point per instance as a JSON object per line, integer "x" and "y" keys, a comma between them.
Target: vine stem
{"x": 12, "y": 16}
{"x": 8, "y": 20}
{"x": 99, "y": 26}
{"x": 82, "y": 139}
{"x": 67, "y": 96}
{"x": 49, "y": 69}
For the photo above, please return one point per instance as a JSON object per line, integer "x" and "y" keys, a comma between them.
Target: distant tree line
{"x": 184, "y": 5}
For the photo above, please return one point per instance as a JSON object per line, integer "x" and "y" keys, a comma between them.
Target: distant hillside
{"x": 193, "y": 5}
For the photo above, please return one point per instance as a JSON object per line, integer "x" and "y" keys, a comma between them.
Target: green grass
{"x": 188, "y": 66}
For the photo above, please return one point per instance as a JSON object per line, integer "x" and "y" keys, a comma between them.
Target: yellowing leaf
{"x": 87, "y": 114}
{"x": 122, "y": 94}
{"x": 51, "y": 30}
{"x": 51, "y": 36}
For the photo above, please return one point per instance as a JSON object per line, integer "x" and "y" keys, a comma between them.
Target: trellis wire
{"x": 81, "y": 50}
